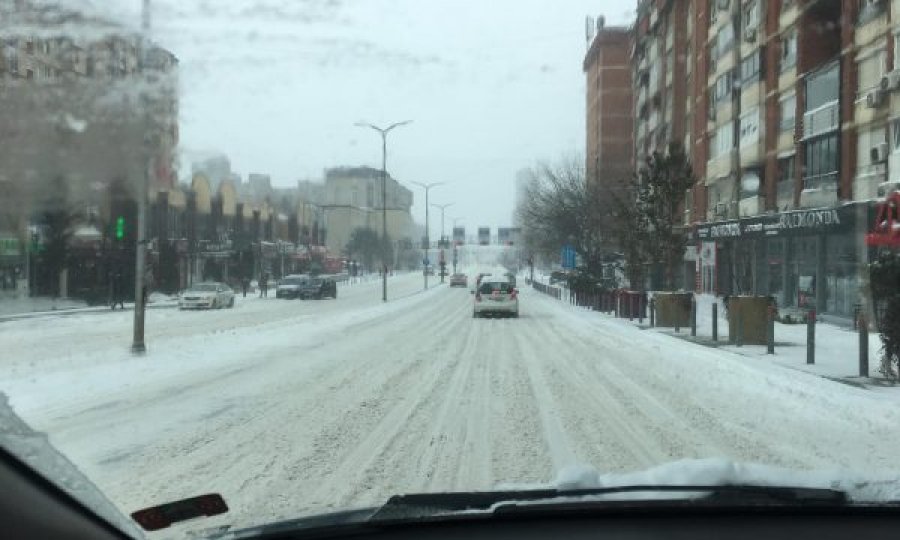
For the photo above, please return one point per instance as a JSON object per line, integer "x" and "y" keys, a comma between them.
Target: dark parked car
{"x": 318, "y": 287}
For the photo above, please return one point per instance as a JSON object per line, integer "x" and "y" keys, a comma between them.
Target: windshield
{"x": 203, "y": 287}
{"x": 680, "y": 222}
{"x": 492, "y": 286}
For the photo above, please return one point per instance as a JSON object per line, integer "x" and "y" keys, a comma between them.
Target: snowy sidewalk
{"x": 837, "y": 347}
{"x": 13, "y": 309}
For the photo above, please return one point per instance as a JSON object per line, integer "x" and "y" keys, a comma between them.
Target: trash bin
{"x": 673, "y": 310}
{"x": 753, "y": 312}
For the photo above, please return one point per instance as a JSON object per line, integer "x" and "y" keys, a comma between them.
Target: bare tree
{"x": 560, "y": 207}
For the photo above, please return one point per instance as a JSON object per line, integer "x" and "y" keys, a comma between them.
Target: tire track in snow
{"x": 560, "y": 447}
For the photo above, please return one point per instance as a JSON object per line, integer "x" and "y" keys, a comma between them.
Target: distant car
{"x": 318, "y": 287}
{"x": 459, "y": 280}
{"x": 206, "y": 295}
{"x": 289, "y": 287}
{"x": 496, "y": 296}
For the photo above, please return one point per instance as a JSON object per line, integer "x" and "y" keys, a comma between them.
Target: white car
{"x": 495, "y": 296}
{"x": 208, "y": 295}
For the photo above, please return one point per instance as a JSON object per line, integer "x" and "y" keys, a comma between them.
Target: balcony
{"x": 822, "y": 120}
{"x": 752, "y": 206}
{"x": 785, "y": 195}
{"x": 820, "y": 190}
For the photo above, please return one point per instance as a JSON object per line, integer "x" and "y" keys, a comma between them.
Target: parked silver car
{"x": 207, "y": 295}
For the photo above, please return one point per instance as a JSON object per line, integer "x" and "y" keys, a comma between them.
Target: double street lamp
{"x": 427, "y": 188}
{"x": 383, "y": 132}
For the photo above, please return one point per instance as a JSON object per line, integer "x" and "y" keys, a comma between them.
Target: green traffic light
{"x": 120, "y": 228}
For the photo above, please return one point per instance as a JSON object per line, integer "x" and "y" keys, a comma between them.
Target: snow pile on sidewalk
{"x": 15, "y": 306}
{"x": 837, "y": 348}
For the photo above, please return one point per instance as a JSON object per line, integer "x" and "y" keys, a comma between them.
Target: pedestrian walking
{"x": 264, "y": 285}
{"x": 116, "y": 289}
{"x": 245, "y": 284}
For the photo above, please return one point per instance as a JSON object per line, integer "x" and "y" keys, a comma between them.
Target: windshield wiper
{"x": 487, "y": 504}
{"x": 433, "y": 504}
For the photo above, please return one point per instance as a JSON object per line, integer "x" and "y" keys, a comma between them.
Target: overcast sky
{"x": 491, "y": 86}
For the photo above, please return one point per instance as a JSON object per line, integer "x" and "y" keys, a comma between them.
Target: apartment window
{"x": 787, "y": 108}
{"x": 750, "y": 67}
{"x": 870, "y": 70}
{"x": 823, "y": 87}
{"x": 724, "y": 84}
{"x": 786, "y": 169}
{"x": 789, "y": 50}
{"x": 869, "y": 10}
{"x": 895, "y": 135}
{"x": 749, "y": 126}
{"x": 896, "y": 51}
{"x": 723, "y": 140}
{"x": 821, "y": 162}
{"x": 866, "y": 141}
{"x": 12, "y": 60}
{"x": 751, "y": 15}
{"x": 724, "y": 39}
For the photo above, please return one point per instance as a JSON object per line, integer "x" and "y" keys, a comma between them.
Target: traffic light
{"x": 120, "y": 228}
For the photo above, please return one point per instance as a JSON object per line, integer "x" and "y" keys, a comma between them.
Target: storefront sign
{"x": 809, "y": 219}
{"x": 797, "y": 222}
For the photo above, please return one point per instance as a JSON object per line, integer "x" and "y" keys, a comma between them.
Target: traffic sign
{"x": 568, "y": 257}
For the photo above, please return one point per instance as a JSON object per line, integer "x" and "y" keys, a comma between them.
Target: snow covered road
{"x": 288, "y": 408}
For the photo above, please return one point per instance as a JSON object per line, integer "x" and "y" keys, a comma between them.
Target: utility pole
{"x": 427, "y": 188}
{"x": 383, "y": 132}
{"x": 137, "y": 345}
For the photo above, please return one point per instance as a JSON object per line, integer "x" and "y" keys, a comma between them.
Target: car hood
{"x": 34, "y": 449}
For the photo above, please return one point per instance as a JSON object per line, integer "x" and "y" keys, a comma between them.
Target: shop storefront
{"x": 804, "y": 258}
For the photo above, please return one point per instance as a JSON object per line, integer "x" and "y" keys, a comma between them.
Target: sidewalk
{"x": 836, "y": 354}
{"x": 12, "y": 309}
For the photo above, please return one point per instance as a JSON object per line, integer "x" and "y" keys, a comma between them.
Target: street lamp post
{"x": 440, "y": 242}
{"x": 427, "y": 188}
{"x": 455, "y": 247}
{"x": 140, "y": 287}
{"x": 383, "y": 132}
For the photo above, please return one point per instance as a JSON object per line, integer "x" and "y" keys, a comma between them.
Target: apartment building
{"x": 609, "y": 103}
{"x": 352, "y": 198}
{"x": 72, "y": 113}
{"x": 790, "y": 112}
